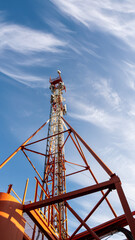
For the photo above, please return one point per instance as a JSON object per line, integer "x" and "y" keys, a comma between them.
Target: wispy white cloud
{"x": 129, "y": 190}
{"x": 104, "y": 89}
{"x": 94, "y": 115}
{"x": 119, "y": 122}
{"x": 129, "y": 70}
{"x": 100, "y": 218}
{"x": 23, "y": 39}
{"x": 20, "y": 49}
{"x": 25, "y": 78}
{"x": 116, "y": 18}
{"x": 57, "y": 26}
{"x": 131, "y": 111}
{"x": 90, "y": 52}
{"x": 127, "y": 134}
{"x": 76, "y": 45}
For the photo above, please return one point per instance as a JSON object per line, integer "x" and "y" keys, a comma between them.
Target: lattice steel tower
{"x": 46, "y": 214}
{"x": 54, "y": 172}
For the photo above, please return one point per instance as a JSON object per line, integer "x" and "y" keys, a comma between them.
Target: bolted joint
{"x": 115, "y": 178}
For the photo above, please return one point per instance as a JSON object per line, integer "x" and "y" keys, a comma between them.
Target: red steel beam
{"x": 77, "y": 164}
{"x": 92, "y": 211}
{"x": 9, "y": 188}
{"x": 45, "y": 193}
{"x": 42, "y": 139}
{"x": 40, "y": 222}
{"x": 79, "y": 146}
{"x": 82, "y": 222}
{"x": 18, "y": 149}
{"x": 74, "y": 194}
{"x": 66, "y": 140}
{"x": 109, "y": 204}
{"x": 103, "y": 165}
{"x": 106, "y": 228}
{"x": 95, "y": 156}
{"x": 34, "y": 151}
{"x": 32, "y": 165}
{"x": 84, "y": 159}
{"x": 124, "y": 203}
{"x": 76, "y": 172}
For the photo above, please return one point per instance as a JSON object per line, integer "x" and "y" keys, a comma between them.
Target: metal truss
{"x": 52, "y": 201}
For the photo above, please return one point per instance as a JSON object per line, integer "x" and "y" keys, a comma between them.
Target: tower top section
{"x": 57, "y": 83}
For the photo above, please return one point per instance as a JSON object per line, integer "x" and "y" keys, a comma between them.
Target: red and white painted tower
{"x": 54, "y": 172}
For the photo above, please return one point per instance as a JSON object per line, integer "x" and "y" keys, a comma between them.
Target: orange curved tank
{"x": 12, "y": 223}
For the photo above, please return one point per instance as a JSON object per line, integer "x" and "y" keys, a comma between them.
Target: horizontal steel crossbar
{"x": 74, "y": 194}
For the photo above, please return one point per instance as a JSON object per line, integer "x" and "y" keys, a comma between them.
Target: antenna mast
{"x": 54, "y": 171}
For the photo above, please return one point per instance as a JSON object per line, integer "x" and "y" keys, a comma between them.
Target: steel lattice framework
{"x": 52, "y": 201}
{"x": 54, "y": 173}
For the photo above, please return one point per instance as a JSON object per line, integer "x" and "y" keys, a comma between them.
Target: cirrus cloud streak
{"x": 114, "y": 17}
{"x": 23, "y": 39}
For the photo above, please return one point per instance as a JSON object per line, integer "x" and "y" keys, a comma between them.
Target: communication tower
{"x": 48, "y": 213}
{"x": 54, "y": 172}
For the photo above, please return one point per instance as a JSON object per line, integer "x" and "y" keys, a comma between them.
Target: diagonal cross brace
{"x": 18, "y": 149}
{"x": 82, "y": 222}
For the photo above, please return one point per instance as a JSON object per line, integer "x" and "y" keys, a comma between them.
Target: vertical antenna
{"x": 54, "y": 171}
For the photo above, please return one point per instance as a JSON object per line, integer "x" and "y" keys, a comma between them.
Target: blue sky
{"x": 92, "y": 43}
